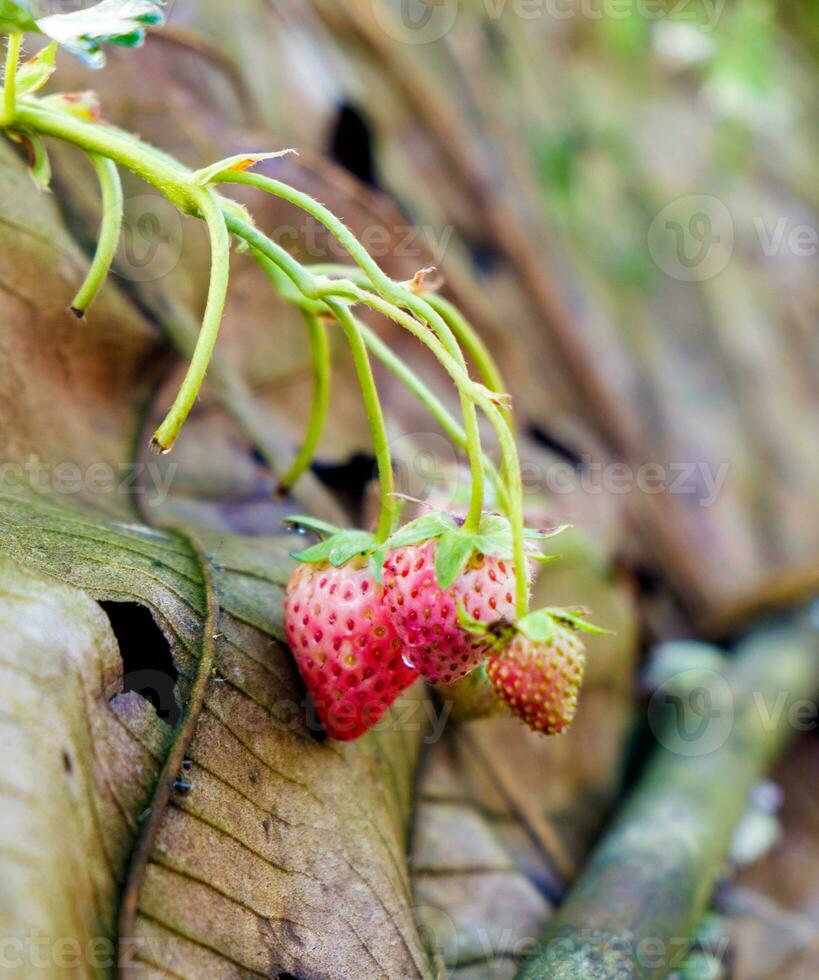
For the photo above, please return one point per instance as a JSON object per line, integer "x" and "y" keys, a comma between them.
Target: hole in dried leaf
{"x": 147, "y": 663}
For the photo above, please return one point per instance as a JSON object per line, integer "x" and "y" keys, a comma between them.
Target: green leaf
{"x": 312, "y": 524}
{"x": 453, "y": 552}
{"x": 16, "y": 17}
{"x": 122, "y": 22}
{"x": 34, "y": 73}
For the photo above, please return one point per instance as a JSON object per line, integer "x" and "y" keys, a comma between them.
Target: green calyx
{"x": 457, "y": 544}
{"x": 338, "y": 545}
{"x": 540, "y": 626}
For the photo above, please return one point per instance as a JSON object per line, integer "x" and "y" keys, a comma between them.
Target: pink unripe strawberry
{"x": 346, "y": 648}
{"x": 539, "y": 680}
{"x": 425, "y": 616}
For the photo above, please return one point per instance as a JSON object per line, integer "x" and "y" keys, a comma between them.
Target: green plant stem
{"x": 10, "y": 79}
{"x": 375, "y": 417}
{"x": 288, "y": 291}
{"x": 463, "y": 331}
{"x": 391, "y": 291}
{"x": 166, "y": 434}
{"x": 156, "y": 168}
{"x": 317, "y": 288}
{"x": 320, "y": 353}
{"x": 110, "y": 228}
{"x": 509, "y": 452}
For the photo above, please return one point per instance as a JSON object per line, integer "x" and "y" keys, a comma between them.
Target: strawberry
{"x": 432, "y": 567}
{"x": 345, "y": 646}
{"x": 339, "y": 629}
{"x": 540, "y": 680}
{"x": 425, "y": 614}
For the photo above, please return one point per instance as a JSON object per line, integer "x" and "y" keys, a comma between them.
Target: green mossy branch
{"x": 647, "y": 884}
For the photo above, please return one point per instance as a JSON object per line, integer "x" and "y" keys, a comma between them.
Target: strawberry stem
{"x": 391, "y": 291}
{"x": 166, "y": 434}
{"x": 289, "y": 292}
{"x": 375, "y": 417}
{"x": 110, "y": 228}
{"x": 320, "y": 353}
{"x": 10, "y": 79}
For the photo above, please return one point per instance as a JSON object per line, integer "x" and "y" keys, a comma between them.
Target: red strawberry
{"x": 425, "y": 616}
{"x": 540, "y": 680}
{"x": 345, "y": 646}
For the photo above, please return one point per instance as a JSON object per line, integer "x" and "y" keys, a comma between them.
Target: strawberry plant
{"x": 366, "y": 613}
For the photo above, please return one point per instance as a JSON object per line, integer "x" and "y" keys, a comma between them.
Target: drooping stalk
{"x": 288, "y": 291}
{"x": 110, "y": 228}
{"x": 375, "y": 417}
{"x": 329, "y": 289}
{"x": 320, "y": 354}
{"x": 156, "y": 168}
{"x": 10, "y": 78}
{"x": 177, "y": 183}
{"x": 391, "y": 291}
{"x": 463, "y": 331}
{"x": 166, "y": 434}
{"x": 471, "y": 342}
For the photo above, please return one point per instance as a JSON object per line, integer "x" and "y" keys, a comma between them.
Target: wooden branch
{"x": 646, "y": 886}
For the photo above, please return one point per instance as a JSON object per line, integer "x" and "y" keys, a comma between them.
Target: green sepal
{"x": 80, "y": 105}
{"x": 455, "y": 548}
{"x": 538, "y": 626}
{"x": 312, "y": 524}
{"x": 315, "y": 554}
{"x": 576, "y": 619}
{"x": 16, "y": 18}
{"x": 39, "y": 165}
{"x": 34, "y": 73}
{"x": 540, "y": 534}
{"x": 338, "y": 548}
{"x": 468, "y": 623}
{"x": 237, "y": 163}
{"x": 424, "y": 528}
{"x": 348, "y": 545}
